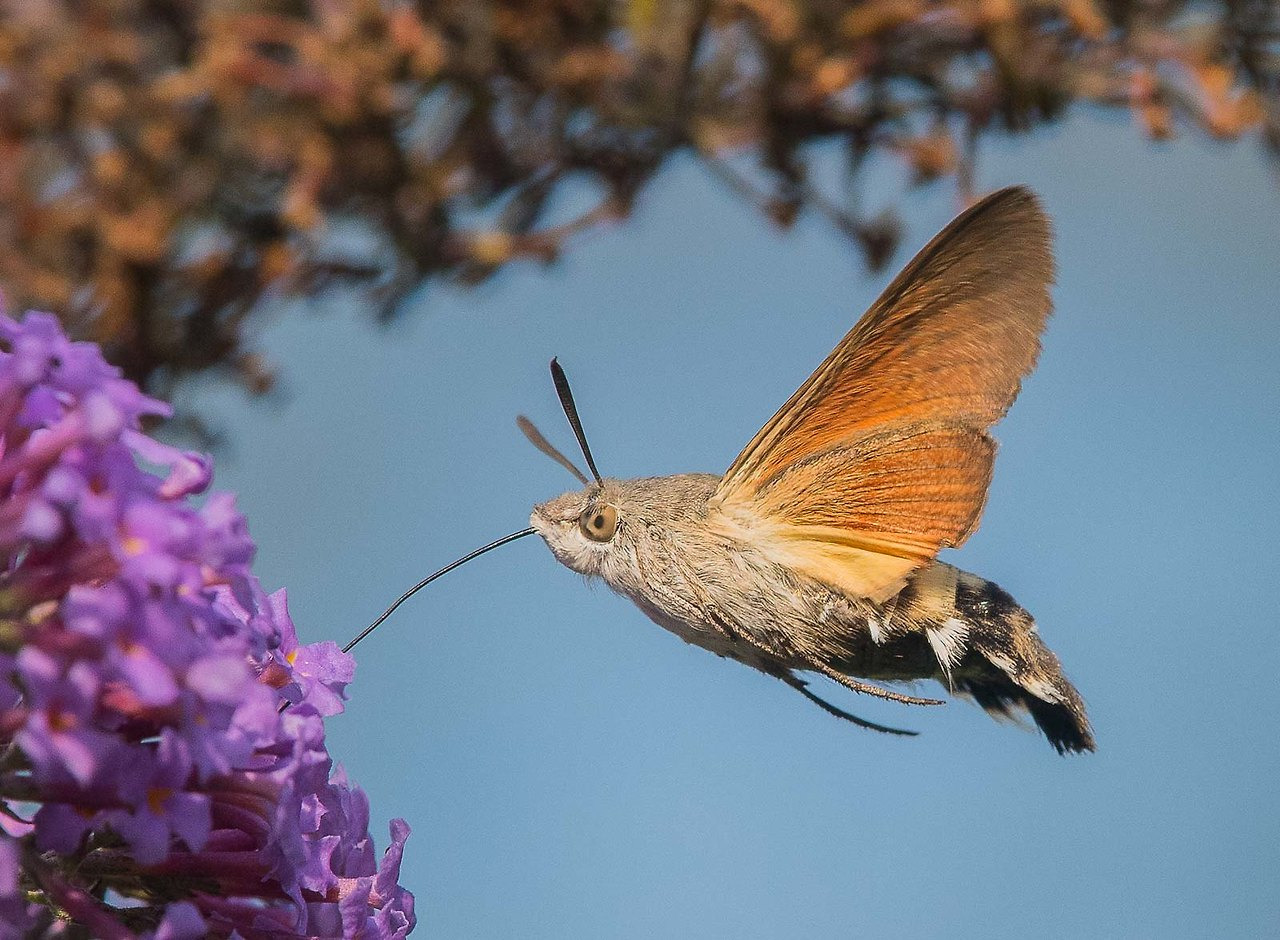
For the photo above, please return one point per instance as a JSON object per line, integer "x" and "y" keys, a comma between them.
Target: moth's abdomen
{"x": 1010, "y": 666}
{"x": 971, "y": 636}
{"x": 988, "y": 648}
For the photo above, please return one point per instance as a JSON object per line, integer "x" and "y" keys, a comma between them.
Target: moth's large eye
{"x": 599, "y": 523}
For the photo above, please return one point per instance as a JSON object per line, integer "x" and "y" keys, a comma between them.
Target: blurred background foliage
{"x": 170, "y": 166}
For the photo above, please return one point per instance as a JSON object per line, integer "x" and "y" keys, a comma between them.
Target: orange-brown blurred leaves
{"x": 165, "y": 163}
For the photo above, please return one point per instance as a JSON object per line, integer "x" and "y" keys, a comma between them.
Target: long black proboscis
{"x": 431, "y": 577}
{"x": 571, "y": 412}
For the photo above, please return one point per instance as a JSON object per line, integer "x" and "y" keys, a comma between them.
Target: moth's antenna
{"x": 431, "y": 577}
{"x": 537, "y": 440}
{"x": 571, "y": 412}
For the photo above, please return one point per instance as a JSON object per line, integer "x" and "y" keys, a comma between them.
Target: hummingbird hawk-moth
{"x": 816, "y": 551}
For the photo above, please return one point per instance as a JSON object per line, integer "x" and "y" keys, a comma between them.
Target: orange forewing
{"x": 883, "y": 451}
{"x": 935, "y": 477}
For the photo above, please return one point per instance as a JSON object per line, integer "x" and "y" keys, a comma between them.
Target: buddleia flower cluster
{"x": 163, "y": 769}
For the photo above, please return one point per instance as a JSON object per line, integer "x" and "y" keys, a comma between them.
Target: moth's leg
{"x": 859, "y": 686}
{"x": 816, "y": 665}
{"x": 802, "y": 687}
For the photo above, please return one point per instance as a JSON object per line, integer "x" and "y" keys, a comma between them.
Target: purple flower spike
{"x": 142, "y": 673}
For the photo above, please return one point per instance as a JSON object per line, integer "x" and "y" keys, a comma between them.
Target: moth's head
{"x": 587, "y": 530}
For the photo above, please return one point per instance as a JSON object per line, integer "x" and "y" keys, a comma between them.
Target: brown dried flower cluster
{"x": 167, "y": 164}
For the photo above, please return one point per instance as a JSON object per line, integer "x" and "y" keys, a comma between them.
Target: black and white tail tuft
{"x": 1009, "y": 667}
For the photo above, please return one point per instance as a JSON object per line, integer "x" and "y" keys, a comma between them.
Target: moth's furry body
{"x": 817, "y": 549}
{"x": 725, "y": 595}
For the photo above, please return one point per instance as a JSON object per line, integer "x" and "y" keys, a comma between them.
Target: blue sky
{"x": 570, "y": 769}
